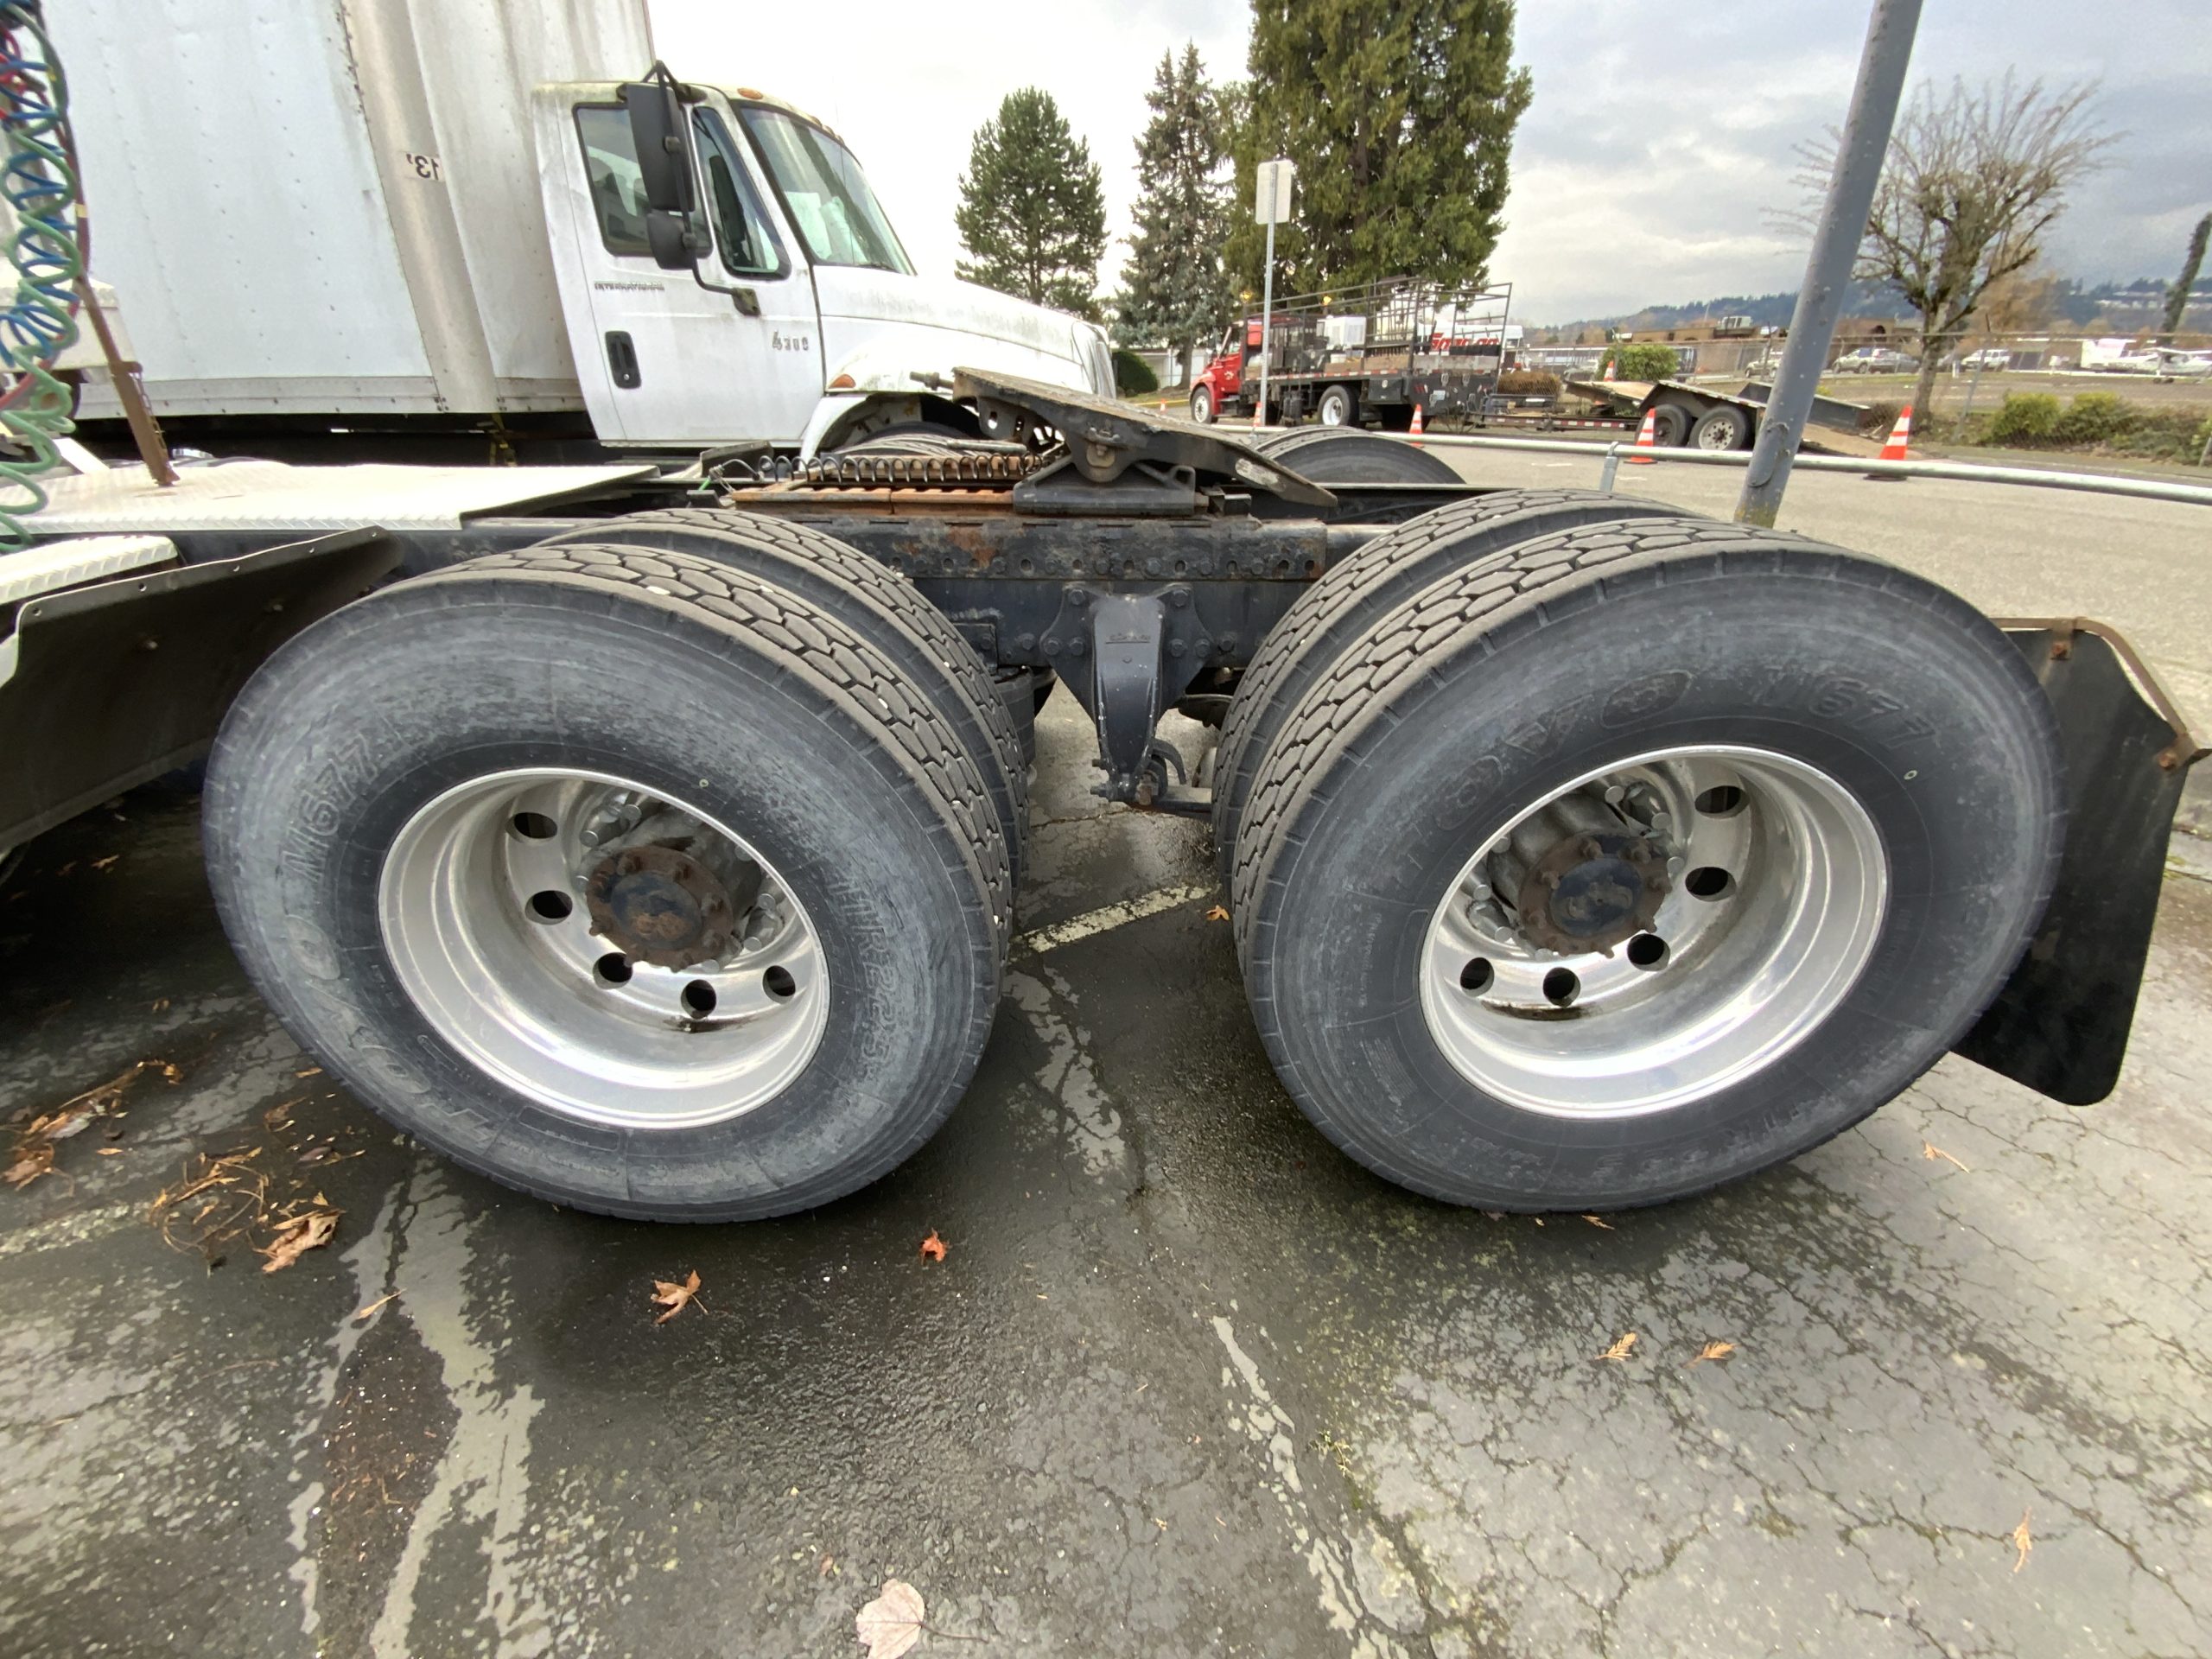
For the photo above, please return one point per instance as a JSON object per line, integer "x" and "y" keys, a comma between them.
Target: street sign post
{"x": 1271, "y": 204}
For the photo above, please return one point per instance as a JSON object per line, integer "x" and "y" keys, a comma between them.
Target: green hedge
{"x": 1642, "y": 361}
{"x": 2096, "y": 417}
{"x": 2027, "y": 418}
{"x": 1133, "y": 375}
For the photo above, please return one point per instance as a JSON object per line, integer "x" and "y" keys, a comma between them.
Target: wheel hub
{"x": 1592, "y": 892}
{"x": 1655, "y": 933}
{"x": 615, "y": 954}
{"x": 659, "y": 904}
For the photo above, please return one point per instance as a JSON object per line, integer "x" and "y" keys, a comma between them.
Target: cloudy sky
{"x": 1659, "y": 138}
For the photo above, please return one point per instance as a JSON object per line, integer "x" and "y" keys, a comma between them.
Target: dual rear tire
{"x": 1581, "y": 857}
{"x": 655, "y": 884}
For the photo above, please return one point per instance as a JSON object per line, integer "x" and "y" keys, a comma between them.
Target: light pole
{"x": 1835, "y": 250}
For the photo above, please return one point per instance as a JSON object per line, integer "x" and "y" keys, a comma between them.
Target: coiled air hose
{"x": 39, "y": 183}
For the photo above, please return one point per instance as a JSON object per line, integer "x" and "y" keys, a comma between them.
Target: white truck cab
{"x": 796, "y": 313}
{"x": 427, "y": 220}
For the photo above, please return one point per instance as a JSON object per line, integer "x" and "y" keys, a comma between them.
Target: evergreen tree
{"x": 1175, "y": 287}
{"x": 1399, "y": 115}
{"x": 1032, "y": 213}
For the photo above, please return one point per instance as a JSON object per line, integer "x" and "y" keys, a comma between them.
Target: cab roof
{"x": 603, "y": 91}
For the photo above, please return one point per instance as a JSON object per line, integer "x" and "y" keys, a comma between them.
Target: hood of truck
{"x": 881, "y": 327}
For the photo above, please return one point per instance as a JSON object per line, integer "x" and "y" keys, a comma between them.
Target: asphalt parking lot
{"x": 1186, "y": 1382}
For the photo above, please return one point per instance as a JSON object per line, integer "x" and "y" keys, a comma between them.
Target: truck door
{"x": 667, "y": 358}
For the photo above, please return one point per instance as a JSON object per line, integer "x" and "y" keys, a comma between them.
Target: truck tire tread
{"x": 873, "y": 600}
{"x": 1332, "y": 612}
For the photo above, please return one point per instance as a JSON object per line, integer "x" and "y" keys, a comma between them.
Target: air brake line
{"x": 47, "y": 251}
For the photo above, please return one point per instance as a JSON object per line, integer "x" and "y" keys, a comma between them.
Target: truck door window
{"x": 618, "y": 188}
{"x": 825, "y": 192}
{"x": 747, "y": 245}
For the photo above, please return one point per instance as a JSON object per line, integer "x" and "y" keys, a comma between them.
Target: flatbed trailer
{"x": 1363, "y": 356}
{"x": 1706, "y": 417}
{"x": 649, "y": 840}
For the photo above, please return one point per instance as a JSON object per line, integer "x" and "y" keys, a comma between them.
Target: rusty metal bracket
{"x": 1127, "y": 657}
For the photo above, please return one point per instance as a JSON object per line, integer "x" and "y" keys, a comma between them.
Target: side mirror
{"x": 658, "y": 133}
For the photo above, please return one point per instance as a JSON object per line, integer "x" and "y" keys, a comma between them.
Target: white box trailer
{"x": 345, "y": 217}
{"x": 380, "y": 213}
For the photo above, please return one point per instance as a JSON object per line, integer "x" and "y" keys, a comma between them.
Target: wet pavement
{"x": 1187, "y": 1382}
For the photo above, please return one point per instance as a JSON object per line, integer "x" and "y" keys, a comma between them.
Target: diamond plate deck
{"x": 48, "y": 567}
{"x": 272, "y": 495}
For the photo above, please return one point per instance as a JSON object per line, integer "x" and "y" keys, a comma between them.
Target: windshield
{"x": 825, "y": 192}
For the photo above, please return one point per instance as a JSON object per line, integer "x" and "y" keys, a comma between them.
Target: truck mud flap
{"x": 105, "y": 686}
{"x": 2060, "y": 1024}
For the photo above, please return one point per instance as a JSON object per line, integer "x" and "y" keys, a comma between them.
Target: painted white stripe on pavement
{"x": 1110, "y": 916}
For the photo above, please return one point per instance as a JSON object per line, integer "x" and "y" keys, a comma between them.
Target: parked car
{"x": 1990, "y": 357}
{"x": 1875, "y": 360}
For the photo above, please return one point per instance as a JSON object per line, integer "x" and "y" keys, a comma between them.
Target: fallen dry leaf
{"x": 892, "y": 1624}
{"x": 312, "y": 1072}
{"x": 161, "y": 1005}
{"x": 2022, "y": 1541}
{"x": 1930, "y": 1150}
{"x": 674, "y": 1298}
{"x": 1713, "y": 1350}
{"x": 310, "y": 1230}
{"x": 1599, "y": 1221}
{"x": 1621, "y": 1347}
{"x": 1219, "y": 913}
{"x": 933, "y": 1247}
{"x": 380, "y": 1301}
{"x": 103, "y": 863}
{"x": 34, "y": 1143}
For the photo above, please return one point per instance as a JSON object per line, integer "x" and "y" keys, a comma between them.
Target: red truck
{"x": 1364, "y": 356}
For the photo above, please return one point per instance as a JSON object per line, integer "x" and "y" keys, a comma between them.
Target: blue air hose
{"x": 39, "y": 184}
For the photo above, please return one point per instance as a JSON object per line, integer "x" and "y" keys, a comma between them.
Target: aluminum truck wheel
{"x": 1701, "y": 909}
{"x": 553, "y": 925}
{"x": 1202, "y": 405}
{"x": 1337, "y": 613}
{"x": 875, "y": 601}
{"x": 1638, "y": 858}
{"x": 1722, "y": 427}
{"x": 630, "y": 880}
{"x": 1337, "y": 407}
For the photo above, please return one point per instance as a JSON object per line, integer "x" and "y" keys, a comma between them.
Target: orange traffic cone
{"x": 1898, "y": 447}
{"x": 1416, "y": 427}
{"x": 1646, "y": 437}
{"x": 1609, "y": 374}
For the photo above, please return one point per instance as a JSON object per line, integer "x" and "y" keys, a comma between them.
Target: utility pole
{"x": 1835, "y": 249}
{"x": 1271, "y": 203}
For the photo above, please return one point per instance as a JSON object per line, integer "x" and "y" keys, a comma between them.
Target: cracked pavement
{"x": 1188, "y": 1381}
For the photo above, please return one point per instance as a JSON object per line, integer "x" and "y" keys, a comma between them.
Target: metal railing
{"x": 2032, "y": 477}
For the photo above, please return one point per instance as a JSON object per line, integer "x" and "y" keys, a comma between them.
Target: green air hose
{"x": 47, "y": 251}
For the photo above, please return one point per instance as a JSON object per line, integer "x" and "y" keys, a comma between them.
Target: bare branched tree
{"x": 1974, "y": 179}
